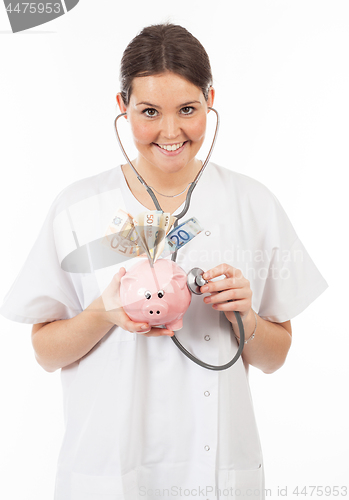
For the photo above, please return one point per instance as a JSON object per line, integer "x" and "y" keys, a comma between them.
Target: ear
{"x": 180, "y": 279}
{"x": 121, "y": 103}
{"x": 128, "y": 281}
{"x": 210, "y": 99}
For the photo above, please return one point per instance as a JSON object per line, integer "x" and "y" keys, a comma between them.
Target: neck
{"x": 167, "y": 183}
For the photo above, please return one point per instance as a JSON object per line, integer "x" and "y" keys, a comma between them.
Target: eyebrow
{"x": 159, "y": 107}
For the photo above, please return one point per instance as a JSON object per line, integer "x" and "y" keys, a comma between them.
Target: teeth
{"x": 174, "y": 147}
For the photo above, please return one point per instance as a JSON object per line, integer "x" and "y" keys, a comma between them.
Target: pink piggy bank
{"x": 157, "y": 295}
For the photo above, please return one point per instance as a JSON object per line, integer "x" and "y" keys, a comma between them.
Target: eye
{"x": 187, "y": 110}
{"x": 151, "y": 112}
{"x": 147, "y": 295}
{"x": 161, "y": 293}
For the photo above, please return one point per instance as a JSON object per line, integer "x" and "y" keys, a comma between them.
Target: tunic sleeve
{"x": 293, "y": 281}
{"x": 42, "y": 291}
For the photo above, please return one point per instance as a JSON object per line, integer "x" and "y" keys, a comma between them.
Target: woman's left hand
{"x": 233, "y": 293}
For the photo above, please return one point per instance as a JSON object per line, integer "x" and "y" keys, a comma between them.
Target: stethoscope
{"x": 195, "y": 279}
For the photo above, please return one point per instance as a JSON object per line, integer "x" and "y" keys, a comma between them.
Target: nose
{"x": 153, "y": 309}
{"x": 170, "y": 127}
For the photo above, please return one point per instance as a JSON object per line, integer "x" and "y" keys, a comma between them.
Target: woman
{"x": 142, "y": 420}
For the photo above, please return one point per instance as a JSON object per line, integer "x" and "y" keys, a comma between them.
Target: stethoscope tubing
{"x": 174, "y": 255}
{"x": 192, "y": 185}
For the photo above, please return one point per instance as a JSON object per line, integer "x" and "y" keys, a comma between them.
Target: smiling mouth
{"x": 170, "y": 147}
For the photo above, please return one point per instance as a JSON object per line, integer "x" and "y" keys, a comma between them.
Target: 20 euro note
{"x": 181, "y": 235}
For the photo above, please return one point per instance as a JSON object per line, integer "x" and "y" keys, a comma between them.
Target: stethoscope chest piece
{"x": 195, "y": 280}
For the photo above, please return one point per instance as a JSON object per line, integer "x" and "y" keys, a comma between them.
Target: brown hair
{"x": 165, "y": 47}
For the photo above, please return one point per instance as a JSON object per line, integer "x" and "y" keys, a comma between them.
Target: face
{"x": 167, "y": 115}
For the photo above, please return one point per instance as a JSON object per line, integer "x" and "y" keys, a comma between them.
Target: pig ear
{"x": 181, "y": 279}
{"x": 127, "y": 281}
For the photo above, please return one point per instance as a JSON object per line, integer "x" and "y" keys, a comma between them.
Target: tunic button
{"x": 206, "y": 393}
{"x": 207, "y": 337}
{"x": 207, "y": 233}
{"x": 207, "y": 447}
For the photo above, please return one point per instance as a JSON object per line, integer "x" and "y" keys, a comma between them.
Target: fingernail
{"x": 144, "y": 327}
{"x": 206, "y": 276}
{"x": 204, "y": 288}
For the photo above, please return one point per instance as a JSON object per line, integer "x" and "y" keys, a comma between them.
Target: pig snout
{"x": 155, "y": 309}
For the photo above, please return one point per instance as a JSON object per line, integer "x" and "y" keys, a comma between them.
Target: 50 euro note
{"x": 122, "y": 237}
{"x": 147, "y": 224}
{"x": 166, "y": 223}
{"x": 152, "y": 227}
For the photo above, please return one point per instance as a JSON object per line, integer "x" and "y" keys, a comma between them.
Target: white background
{"x": 281, "y": 78}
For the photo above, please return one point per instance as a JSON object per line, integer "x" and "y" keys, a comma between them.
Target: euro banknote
{"x": 149, "y": 233}
{"x": 121, "y": 235}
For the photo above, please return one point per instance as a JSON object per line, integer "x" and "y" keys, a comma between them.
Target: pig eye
{"x": 147, "y": 295}
{"x": 161, "y": 293}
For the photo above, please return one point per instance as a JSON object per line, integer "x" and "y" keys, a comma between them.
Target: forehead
{"x": 156, "y": 88}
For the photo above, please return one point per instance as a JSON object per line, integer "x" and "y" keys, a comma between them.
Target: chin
{"x": 174, "y": 168}
{"x": 168, "y": 165}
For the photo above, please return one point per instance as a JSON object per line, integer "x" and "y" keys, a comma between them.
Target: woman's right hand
{"x": 110, "y": 308}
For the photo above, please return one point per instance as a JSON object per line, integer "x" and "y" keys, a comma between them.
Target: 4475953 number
{"x": 319, "y": 491}
{"x": 33, "y": 8}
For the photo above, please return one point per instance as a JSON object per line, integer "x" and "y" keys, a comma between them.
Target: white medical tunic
{"x": 142, "y": 420}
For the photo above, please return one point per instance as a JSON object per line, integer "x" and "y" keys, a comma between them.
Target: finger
{"x": 132, "y": 326}
{"x": 111, "y": 296}
{"x": 225, "y": 269}
{"x": 114, "y": 285}
{"x": 142, "y": 328}
{"x": 224, "y": 284}
{"x": 237, "y": 305}
{"x": 117, "y": 278}
{"x": 232, "y": 294}
{"x": 158, "y": 332}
